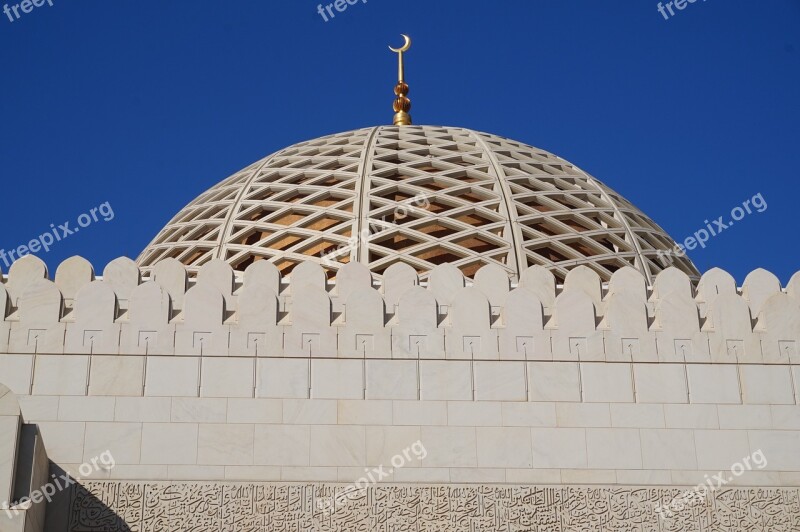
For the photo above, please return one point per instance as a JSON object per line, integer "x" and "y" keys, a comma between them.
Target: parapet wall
{"x": 260, "y": 314}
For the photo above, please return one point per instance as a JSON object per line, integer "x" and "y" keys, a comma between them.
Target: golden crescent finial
{"x": 405, "y": 47}
{"x": 402, "y": 105}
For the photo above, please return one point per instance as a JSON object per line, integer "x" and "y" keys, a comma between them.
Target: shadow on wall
{"x": 78, "y": 510}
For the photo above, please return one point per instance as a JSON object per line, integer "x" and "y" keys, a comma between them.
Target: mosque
{"x": 400, "y": 328}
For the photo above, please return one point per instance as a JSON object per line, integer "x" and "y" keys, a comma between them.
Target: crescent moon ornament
{"x": 405, "y": 46}
{"x": 402, "y": 105}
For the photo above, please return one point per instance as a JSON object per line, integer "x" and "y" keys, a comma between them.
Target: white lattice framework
{"x": 420, "y": 195}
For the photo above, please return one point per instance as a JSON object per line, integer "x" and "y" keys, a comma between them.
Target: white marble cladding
{"x": 173, "y": 438}
{"x": 253, "y": 377}
{"x": 259, "y": 314}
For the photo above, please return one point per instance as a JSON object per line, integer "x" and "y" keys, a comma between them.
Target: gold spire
{"x": 402, "y": 105}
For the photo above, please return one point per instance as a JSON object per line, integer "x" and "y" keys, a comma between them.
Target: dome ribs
{"x": 416, "y": 195}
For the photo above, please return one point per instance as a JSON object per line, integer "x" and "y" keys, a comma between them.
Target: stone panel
{"x": 157, "y": 506}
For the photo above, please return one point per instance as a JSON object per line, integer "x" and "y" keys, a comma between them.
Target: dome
{"x": 419, "y": 195}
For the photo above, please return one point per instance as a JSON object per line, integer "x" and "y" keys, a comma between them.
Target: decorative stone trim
{"x": 200, "y": 507}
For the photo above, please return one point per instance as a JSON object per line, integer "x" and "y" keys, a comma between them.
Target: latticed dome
{"x": 421, "y": 195}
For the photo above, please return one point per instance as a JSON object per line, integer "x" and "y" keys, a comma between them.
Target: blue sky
{"x": 145, "y": 104}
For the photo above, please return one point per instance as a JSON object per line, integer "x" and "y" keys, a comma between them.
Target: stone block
{"x": 280, "y": 378}
{"x": 172, "y": 377}
{"x": 226, "y": 444}
{"x": 607, "y": 383}
{"x": 767, "y": 385}
{"x": 445, "y": 380}
{"x": 310, "y": 411}
{"x": 718, "y": 450}
{"x": 559, "y": 448}
{"x": 613, "y": 449}
{"x": 337, "y": 379}
{"x": 691, "y": 416}
{"x": 63, "y": 441}
{"x": 504, "y": 447}
{"x": 474, "y": 414}
{"x": 386, "y": 442}
{"x": 117, "y": 376}
{"x": 86, "y": 409}
{"x": 500, "y": 381}
{"x": 122, "y": 440}
{"x": 392, "y": 379}
{"x": 529, "y": 414}
{"x": 342, "y": 446}
{"x": 198, "y": 410}
{"x": 583, "y": 415}
{"x": 143, "y": 409}
{"x": 17, "y": 372}
{"x": 450, "y": 446}
{"x": 419, "y": 412}
{"x": 554, "y": 381}
{"x": 227, "y": 377}
{"x": 360, "y": 412}
{"x": 637, "y": 415}
{"x": 713, "y": 384}
{"x": 282, "y": 445}
{"x": 668, "y": 449}
{"x": 255, "y": 411}
{"x": 61, "y": 375}
{"x": 169, "y": 443}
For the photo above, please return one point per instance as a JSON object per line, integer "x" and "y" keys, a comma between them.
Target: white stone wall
{"x": 259, "y": 378}
{"x": 568, "y": 423}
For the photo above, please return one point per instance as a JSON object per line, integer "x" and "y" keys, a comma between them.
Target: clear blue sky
{"x": 145, "y": 104}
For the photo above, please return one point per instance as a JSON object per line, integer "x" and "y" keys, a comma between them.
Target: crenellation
{"x": 629, "y": 281}
{"x": 793, "y": 287}
{"x": 259, "y": 313}
{"x": 586, "y": 280}
{"x": 203, "y": 331}
{"x": 219, "y": 274}
{"x": 398, "y": 279}
{"x": 123, "y": 276}
{"x": 148, "y": 330}
{"x": 495, "y": 284}
{"x": 715, "y": 282}
{"x": 524, "y": 336}
{"x": 364, "y": 334}
{"x": 627, "y": 330}
{"x": 445, "y": 280}
{"x": 672, "y": 280}
{"x": 730, "y": 330}
{"x": 256, "y": 331}
{"x": 758, "y": 286}
{"x": 22, "y": 273}
{"x": 574, "y": 327}
{"x": 39, "y": 329}
{"x": 470, "y": 335}
{"x": 72, "y": 275}
{"x": 262, "y": 272}
{"x": 171, "y": 275}
{"x": 417, "y": 333}
{"x": 778, "y": 327}
{"x": 94, "y": 327}
{"x": 541, "y": 282}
